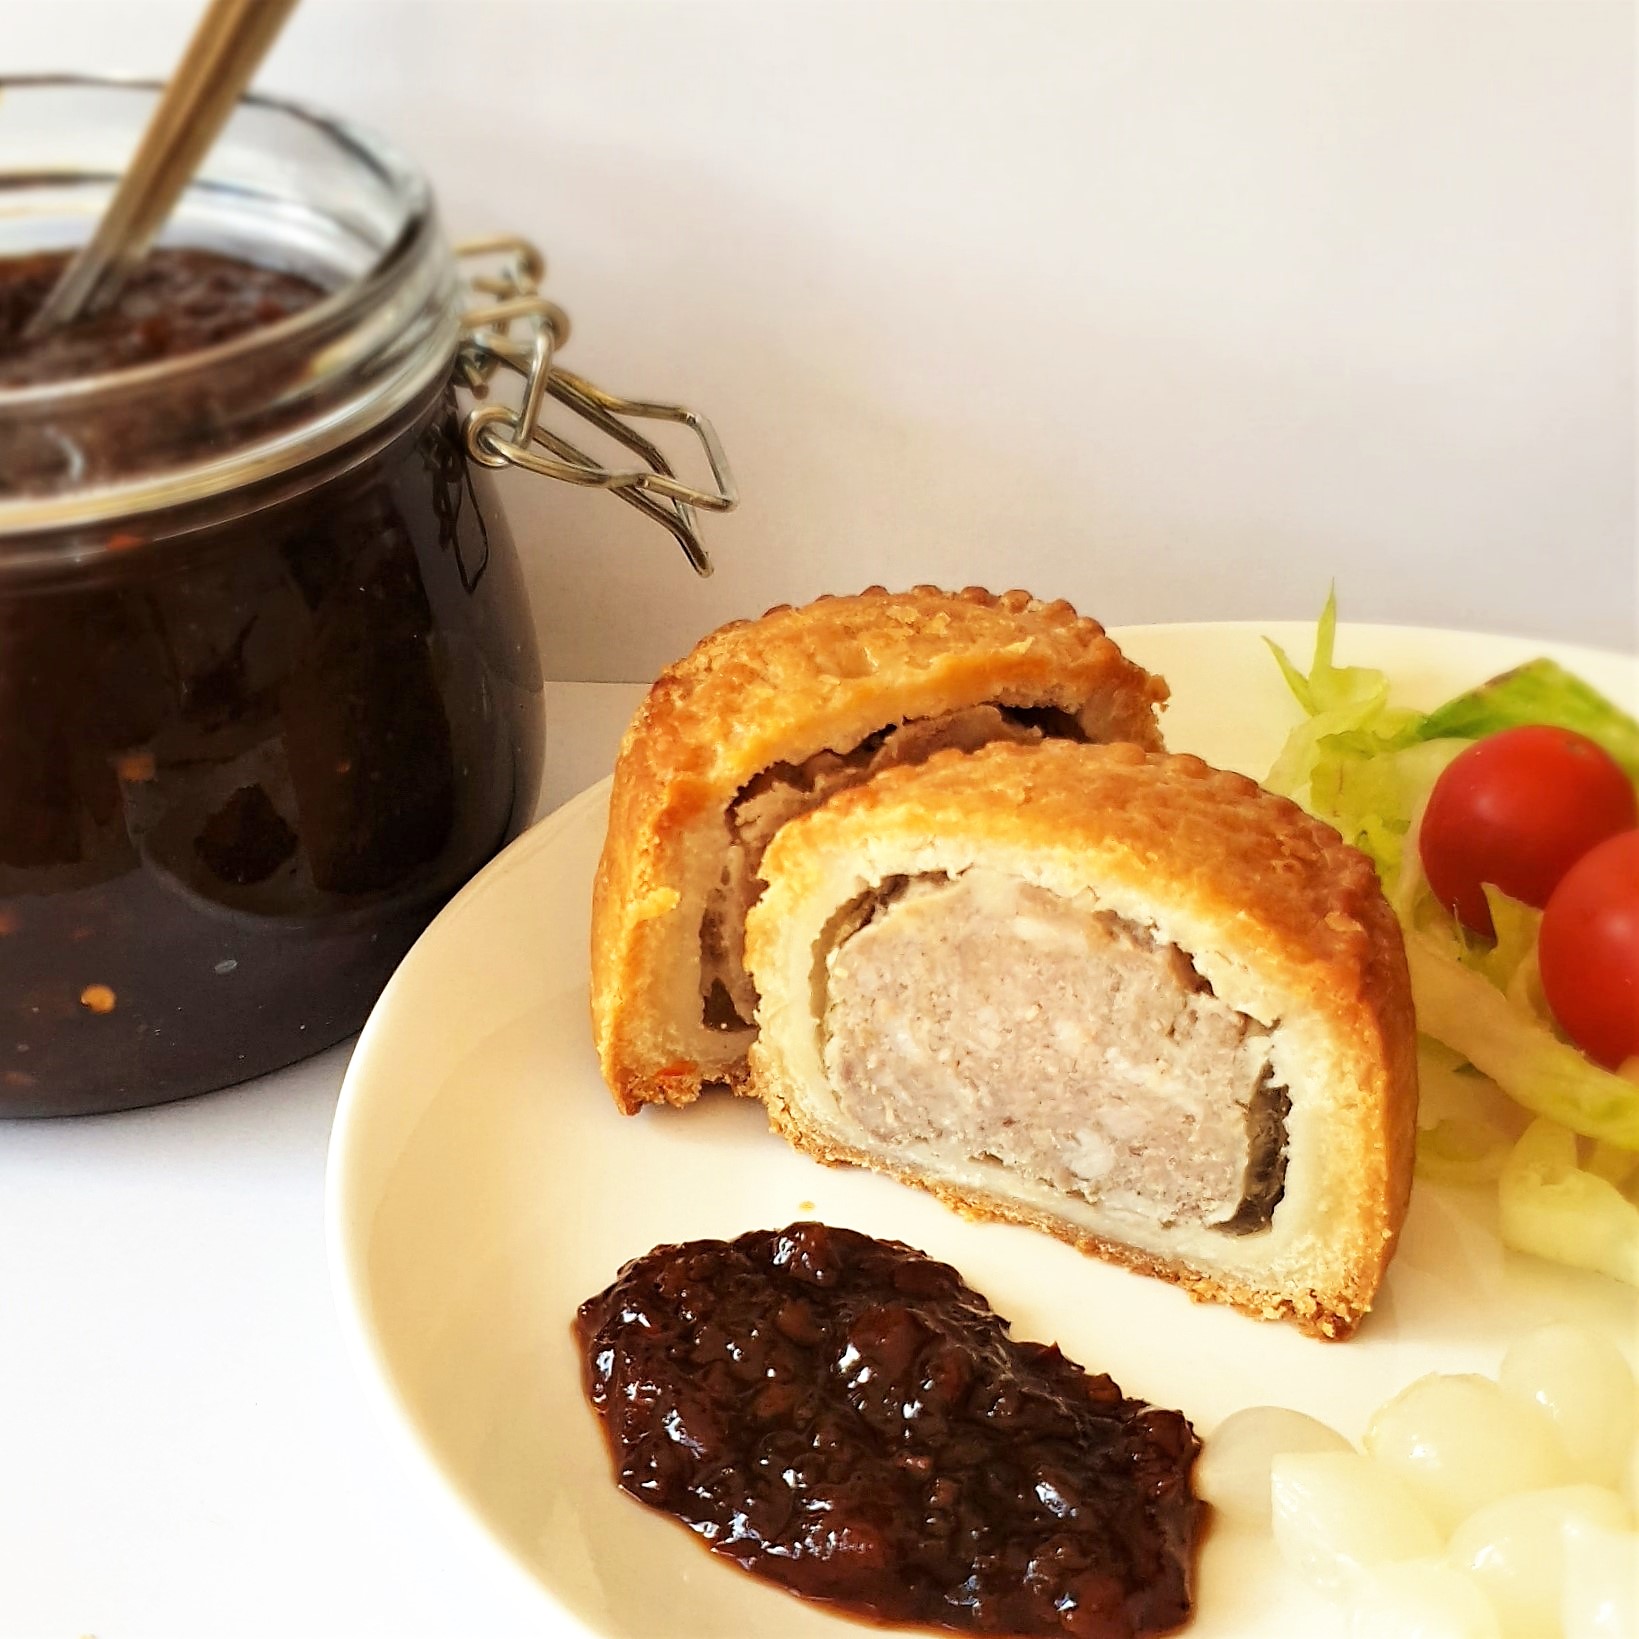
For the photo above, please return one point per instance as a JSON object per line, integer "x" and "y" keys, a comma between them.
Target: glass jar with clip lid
{"x": 269, "y": 690}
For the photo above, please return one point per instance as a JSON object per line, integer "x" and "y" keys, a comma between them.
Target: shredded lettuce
{"x": 1371, "y": 798}
{"x": 1466, "y": 1124}
{"x": 1366, "y": 767}
{"x": 1523, "y": 1056}
{"x": 1510, "y": 960}
{"x": 1553, "y": 1206}
{"x": 1326, "y": 687}
{"x": 1356, "y": 762}
{"x": 1335, "y": 700}
{"x": 1460, "y": 1151}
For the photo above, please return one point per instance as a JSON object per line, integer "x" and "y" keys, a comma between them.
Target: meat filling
{"x": 995, "y": 1020}
{"x": 781, "y": 793}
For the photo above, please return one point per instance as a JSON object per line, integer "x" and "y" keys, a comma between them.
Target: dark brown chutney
{"x": 177, "y": 301}
{"x": 846, "y": 1417}
{"x": 245, "y": 757}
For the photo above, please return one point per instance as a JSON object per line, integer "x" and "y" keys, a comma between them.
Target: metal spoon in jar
{"x": 232, "y": 38}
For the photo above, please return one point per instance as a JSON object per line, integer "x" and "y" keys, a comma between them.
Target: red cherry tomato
{"x": 1518, "y": 810}
{"x": 1588, "y": 950}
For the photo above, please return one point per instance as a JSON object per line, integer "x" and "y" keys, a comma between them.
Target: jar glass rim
{"x": 386, "y": 161}
{"x": 282, "y": 394}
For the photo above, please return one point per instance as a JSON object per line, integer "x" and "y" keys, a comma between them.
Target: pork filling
{"x": 992, "y": 1019}
{"x": 780, "y": 793}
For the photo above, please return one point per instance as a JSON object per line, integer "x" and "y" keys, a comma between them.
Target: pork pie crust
{"x": 825, "y": 676}
{"x": 1278, "y": 914}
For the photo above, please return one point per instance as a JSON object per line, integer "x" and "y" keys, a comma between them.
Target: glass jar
{"x": 269, "y": 690}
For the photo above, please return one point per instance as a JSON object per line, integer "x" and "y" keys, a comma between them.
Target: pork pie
{"x": 1119, "y": 996}
{"x": 763, "y": 721}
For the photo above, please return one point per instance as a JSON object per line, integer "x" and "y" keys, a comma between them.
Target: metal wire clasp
{"x": 508, "y": 287}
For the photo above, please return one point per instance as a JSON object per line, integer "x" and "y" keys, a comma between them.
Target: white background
{"x": 1177, "y": 309}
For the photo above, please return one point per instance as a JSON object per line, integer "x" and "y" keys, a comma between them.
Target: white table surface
{"x": 184, "y": 1450}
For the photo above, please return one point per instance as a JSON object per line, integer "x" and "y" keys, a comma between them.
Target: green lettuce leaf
{"x": 1326, "y": 687}
{"x": 1355, "y": 761}
{"x": 1371, "y": 796}
{"x": 1541, "y": 691}
{"x": 1516, "y": 1050}
{"x": 1509, "y": 961}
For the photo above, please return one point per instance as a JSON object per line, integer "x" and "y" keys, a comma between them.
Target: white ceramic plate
{"x": 481, "y": 1185}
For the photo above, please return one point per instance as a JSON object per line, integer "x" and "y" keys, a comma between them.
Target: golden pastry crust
{"x": 797, "y": 682}
{"x": 1292, "y": 915}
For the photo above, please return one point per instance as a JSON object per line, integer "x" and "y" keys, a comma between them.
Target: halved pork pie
{"x": 764, "y": 721}
{"x": 1122, "y": 997}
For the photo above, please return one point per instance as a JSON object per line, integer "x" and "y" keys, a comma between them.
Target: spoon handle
{"x": 229, "y": 43}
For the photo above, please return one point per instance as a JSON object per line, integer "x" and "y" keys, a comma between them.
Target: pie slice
{"x": 1119, "y": 996}
{"x": 766, "y": 720}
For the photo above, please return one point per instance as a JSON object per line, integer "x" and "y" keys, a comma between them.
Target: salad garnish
{"x": 1508, "y": 1097}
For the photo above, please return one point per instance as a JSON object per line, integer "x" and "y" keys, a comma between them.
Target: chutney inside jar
{"x": 254, "y": 736}
{"x": 178, "y": 300}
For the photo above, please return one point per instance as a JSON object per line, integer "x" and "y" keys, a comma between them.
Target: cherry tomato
{"x": 1589, "y": 951}
{"x": 1518, "y": 810}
